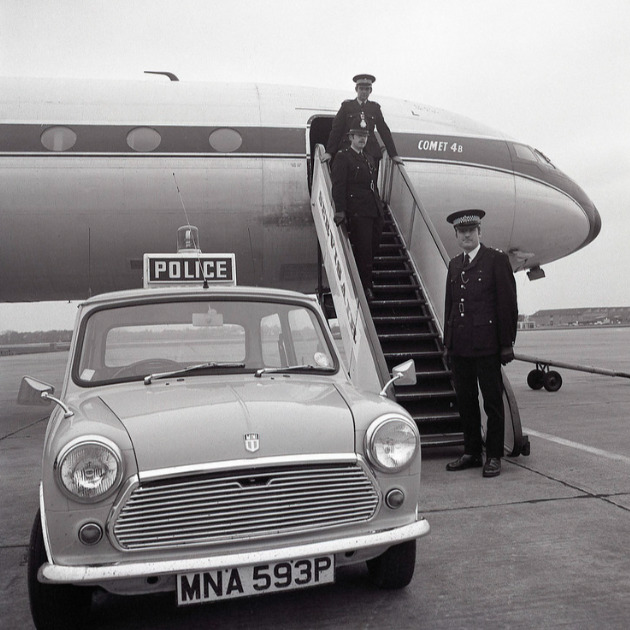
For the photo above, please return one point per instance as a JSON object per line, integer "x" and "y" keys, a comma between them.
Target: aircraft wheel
{"x": 394, "y": 568}
{"x": 553, "y": 381}
{"x": 536, "y": 379}
{"x": 53, "y": 606}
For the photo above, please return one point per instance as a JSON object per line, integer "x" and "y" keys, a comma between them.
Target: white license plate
{"x": 207, "y": 586}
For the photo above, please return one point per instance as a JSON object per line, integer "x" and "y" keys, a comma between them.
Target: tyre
{"x": 394, "y": 568}
{"x": 553, "y": 381}
{"x": 53, "y": 607}
{"x": 536, "y": 379}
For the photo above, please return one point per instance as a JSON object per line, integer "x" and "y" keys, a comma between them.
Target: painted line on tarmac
{"x": 578, "y": 446}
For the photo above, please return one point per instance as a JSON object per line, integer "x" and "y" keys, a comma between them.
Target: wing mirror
{"x": 403, "y": 374}
{"x": 34, "y": 392}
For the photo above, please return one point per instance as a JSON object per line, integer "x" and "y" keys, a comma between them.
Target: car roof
{"x": 185, "y": 293}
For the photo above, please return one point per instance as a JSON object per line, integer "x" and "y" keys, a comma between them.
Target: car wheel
{"x": 53, "y": 607}
{"x": 395, "y": 567}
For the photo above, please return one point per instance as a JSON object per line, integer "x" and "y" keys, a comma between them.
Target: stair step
{"x": 404, "y": 336}
{"x": 393, "y": 273}
{"x": 416, "y": 303}
{"x": 435, "y": 417}
{"x": 389, "y": 259}
{"x": 384, "y": 320}
{"x": 391, "y": 246}
{"x": 433, "y": 374}
{"x": 413, "y": 396}
{"x": 412, "y": 354}
{"x": 396, "y": 287}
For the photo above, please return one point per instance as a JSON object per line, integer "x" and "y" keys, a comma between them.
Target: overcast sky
{"x": 550, "y": 73}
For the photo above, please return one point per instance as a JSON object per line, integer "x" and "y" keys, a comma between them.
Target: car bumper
{"x": 86, "y": 575}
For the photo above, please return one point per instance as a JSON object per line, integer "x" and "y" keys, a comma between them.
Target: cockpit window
{"x": 524, "y": 152}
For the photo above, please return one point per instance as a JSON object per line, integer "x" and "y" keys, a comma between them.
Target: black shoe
{"x": 369, "y": 295}
{"x": 465, "y": 461}
{"x": 492, "y": 467}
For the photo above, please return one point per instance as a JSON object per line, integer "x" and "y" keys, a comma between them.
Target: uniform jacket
{"x": 354, "y": 184}
{"x": 481, "y": 311}
{"x": 349, "y": 116}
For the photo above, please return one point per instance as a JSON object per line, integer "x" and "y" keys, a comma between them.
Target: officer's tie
{"x": 466, "y": 260}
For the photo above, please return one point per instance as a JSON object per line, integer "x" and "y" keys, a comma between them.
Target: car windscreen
{"x": 132, "y": 341}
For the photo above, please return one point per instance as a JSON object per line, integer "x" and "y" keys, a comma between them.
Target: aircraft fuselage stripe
{"x": 110, "y": 141}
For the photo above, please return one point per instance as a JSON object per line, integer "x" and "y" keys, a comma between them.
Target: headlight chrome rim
{"x": 372, "y": 434}
{"x": 84, "y": 442}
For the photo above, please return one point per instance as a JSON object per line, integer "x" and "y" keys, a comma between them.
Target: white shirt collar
{"x": 474, "y": 252}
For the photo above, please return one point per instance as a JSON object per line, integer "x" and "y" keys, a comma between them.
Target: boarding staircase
{"x": 405, "y": 319}
{"x": 406, "y": 329}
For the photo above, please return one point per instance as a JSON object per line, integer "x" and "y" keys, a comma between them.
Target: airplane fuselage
{"x": 95, "y": 174}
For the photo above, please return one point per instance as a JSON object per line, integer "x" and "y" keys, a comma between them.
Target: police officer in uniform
{"x": 361, "y": 113}
{"x": 357, "y": 202}
{"x": 480, "y": 322}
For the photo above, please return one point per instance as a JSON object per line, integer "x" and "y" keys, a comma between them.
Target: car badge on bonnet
{"x": 252, "y": 443}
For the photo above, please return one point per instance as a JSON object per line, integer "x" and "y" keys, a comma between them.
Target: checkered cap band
{"x": 467, "y": 219}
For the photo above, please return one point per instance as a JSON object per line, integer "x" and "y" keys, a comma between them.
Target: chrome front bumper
{"x": 57, "y": 574}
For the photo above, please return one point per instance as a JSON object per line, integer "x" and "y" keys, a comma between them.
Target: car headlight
{"x": 391, "y": 443}
{"x": 89, "y": 469}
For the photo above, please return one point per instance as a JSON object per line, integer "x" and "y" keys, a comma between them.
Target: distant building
{"x": 598, "y": 316}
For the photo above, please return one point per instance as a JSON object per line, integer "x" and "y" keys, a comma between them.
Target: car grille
{"x": 245, "y": 504}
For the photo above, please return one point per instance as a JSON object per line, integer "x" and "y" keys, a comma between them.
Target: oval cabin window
{"x": 58, "y": 138}
{"x": 225, "y": 140}
{"x": 143, "y": 139}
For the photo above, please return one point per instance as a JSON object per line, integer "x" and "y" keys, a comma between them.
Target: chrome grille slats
{"x": 244, "y": 504}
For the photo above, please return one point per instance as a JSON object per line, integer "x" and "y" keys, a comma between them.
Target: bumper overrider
{"x": 90, "y": 575}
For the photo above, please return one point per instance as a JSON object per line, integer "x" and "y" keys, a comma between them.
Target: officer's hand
{"x": 326, "y": 157}
{"x": 340, "y": 218}
{"x": 398, "y": 160}
{"x": 507, "y": 355}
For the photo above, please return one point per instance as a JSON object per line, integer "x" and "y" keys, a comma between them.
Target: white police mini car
{"x": 208, "y": 442}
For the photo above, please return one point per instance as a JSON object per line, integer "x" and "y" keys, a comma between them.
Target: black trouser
{"x": 471, "y": 374}
{"x": 365, "y": 237}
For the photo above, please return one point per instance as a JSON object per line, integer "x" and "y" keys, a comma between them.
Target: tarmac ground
{"x": 541, "y": 546}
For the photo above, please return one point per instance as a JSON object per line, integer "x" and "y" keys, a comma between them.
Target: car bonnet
{"x": 175, "y": 424}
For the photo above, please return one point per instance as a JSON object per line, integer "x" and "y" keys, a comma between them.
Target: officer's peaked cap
{"x": 364, "y": 79}
{"x": 466, "y": 218}
{"x": 358, "y": 132}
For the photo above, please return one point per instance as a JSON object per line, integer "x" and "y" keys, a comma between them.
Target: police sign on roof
{"x": 189, "y": 268}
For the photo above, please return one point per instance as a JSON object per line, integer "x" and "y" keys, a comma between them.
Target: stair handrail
{"x": 356, "y": 326}
{"x": 424, "y": 245}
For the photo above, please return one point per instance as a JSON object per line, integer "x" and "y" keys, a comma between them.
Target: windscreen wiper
{"x": 192, "y": 368}
{"x": 293, "y": 368}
